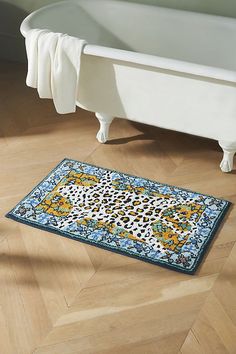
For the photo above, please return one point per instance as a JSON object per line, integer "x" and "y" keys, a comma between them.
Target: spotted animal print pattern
{"x": 151, "y": 221}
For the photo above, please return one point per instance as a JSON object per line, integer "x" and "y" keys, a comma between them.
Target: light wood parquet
{"x": 58, "y": 296}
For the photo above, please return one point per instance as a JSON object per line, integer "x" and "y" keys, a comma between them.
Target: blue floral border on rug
{"x": 186, "y": 260}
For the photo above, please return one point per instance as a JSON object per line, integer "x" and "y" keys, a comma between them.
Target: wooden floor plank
{"x": 214, "y": 330}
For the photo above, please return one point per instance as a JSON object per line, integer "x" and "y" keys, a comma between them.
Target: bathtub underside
{"x": 229, "y": 149}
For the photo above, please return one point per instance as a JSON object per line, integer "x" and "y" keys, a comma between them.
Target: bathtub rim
{"x": 158, "y": 62}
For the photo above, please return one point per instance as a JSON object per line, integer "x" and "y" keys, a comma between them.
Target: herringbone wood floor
{"x": 58, "y": 296}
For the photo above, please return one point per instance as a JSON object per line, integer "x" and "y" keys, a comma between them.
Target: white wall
{"x": 12, "y": 13}
{"x": 220, "y": 7}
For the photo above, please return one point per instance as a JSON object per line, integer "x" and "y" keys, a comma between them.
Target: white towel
{"x": 66, "y": 71}
{"x": 47, "y": 44}
{"x": 54, "y": 67}
{"x": 31, "y": 43}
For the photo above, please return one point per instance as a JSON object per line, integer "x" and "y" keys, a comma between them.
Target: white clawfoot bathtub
{"x": 167, "y": 68}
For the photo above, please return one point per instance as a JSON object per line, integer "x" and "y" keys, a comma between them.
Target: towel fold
{"x": 47, "y": 44}
{"x": 54, "y": 67}
{"x": 66, "y": 69}
{"x": 31, "y": 44}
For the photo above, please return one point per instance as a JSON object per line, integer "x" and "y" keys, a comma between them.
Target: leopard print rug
{"x": 134, "y": 216}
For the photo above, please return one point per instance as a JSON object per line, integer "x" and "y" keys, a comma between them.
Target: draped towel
{"x": 54, "y": 67}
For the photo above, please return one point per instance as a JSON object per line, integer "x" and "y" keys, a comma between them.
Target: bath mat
{"x": 137, "y": 217}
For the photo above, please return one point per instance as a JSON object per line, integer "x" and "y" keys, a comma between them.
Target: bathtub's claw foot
{"x": 229, "y": 150}
{"x": 105, "y": 121}
{"x": 226, "y": 166}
